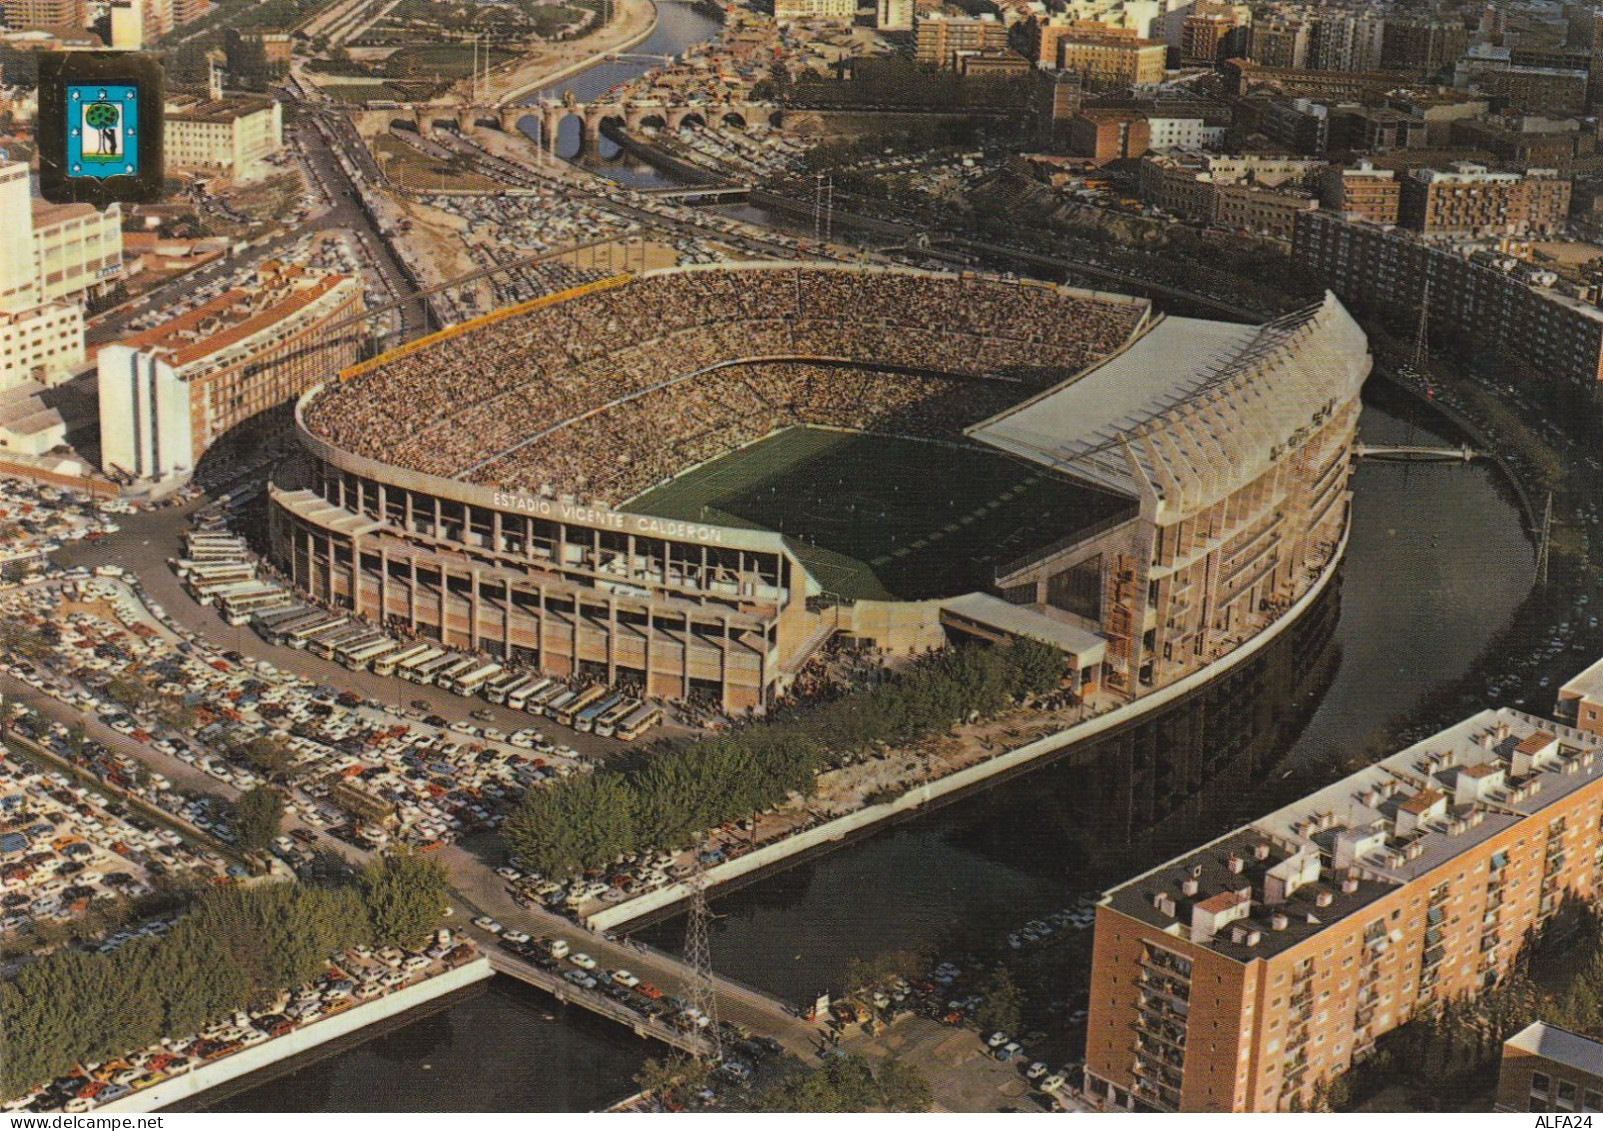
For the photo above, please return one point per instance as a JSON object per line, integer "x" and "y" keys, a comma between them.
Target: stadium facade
{"x": 474, "y": 487}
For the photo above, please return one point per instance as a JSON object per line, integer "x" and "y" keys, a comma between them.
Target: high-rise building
{"x": 1471, "y": 200}
{"x": 168, "y": 393}
{"x": 69, "y": 14}
{"x": 1362, "y": 192}
{"x": 77, "y": 250}
{"x": 1422, "y": 44}
{"x": 1481, "y": 295}
{"x": 937, "y": 38}
{"x": 1280, "y": 42}
{"x": 1344, "y": 40}
{"x": 1238, "y": 975}
{"x": 19, "y": 286}
{"x": 1211, "y": 32}
{"x": 1109, "y": 58}
{"x": 894, "y": 15}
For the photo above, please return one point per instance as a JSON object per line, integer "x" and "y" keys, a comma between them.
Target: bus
{"x": 549, "y": 707}
{"x": 408, "y": 670}
{"x": 211, "y": 575}
{"x": 359, "y": 658}
{"x": 475, "y": 678}
{"x": 497, "y": 689}
{"x": 426, "y": 672}
{"x": 585, "y": 720}
{"x": 355, "y": 644}
{"x": 299, "y": 637}
{"x": 277, "y": 630}
{"x": 607, "y": 722}
{"x": 638, "y": 721}
{"x": 240, "y": 610}
{"x": 518, "y": 696}
{"x": 386, "y": 665}
{"x": 324, "y": 643}
{"x": 537, "y": 703}
{"x": 565, "y": 713}
{"x": 449, "y": 674}
{"x": 221, "y": 590}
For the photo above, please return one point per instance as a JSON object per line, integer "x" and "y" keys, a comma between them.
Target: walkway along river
{"x": 1436, "y": 565}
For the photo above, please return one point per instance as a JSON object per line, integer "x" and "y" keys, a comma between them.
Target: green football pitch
{"x": 885, "y": 517}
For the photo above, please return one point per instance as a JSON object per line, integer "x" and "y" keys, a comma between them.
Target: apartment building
{"x": 1261, "y": 194}
{"x": 1235, "y": 977}
{"x": 1422, "y": 45}
{"x": 77, "y": 250}
{"x": 1211, "y": 32}
{"x": 1108, "y": 135}
{"x": 1112, "y": 58}
{"x": 52, "y": 14}
{"x": 1471, "y": 200}
{"x": 1548, "y": 1069}
{"x": 938, "y": 38}
{"x": 1475, "y": 293}
{"x": 1362, "y": 191}
{"x": 834, "y": 11}
{"x": 170, "y": 392}
{"x": 43, "y": 345}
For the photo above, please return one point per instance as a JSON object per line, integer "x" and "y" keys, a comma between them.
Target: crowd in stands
{"x": 606, "y": 393}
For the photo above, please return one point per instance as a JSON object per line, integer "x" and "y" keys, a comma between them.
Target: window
{"x": 1540, "y": 1083}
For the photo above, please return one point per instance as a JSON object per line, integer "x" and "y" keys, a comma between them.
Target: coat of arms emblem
{"x": 101, "y": 126}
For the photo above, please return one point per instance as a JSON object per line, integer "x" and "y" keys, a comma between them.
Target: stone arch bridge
{"x": 632, "y": 114}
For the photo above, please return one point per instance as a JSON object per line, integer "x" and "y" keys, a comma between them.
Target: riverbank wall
{"x": 522, "y": 91}
{"x": 780, "y": 852}
{"x": 246, "y": 1061}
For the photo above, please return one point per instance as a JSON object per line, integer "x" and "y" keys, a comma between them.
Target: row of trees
{"x": 235, "y": 948}
{"x": 672, "y": 797}
{"x": 848, "y": 1084}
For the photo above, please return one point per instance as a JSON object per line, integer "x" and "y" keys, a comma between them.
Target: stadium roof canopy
{"x": 1192, "y": 409}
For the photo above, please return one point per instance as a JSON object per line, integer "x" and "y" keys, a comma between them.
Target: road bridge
{"x": 549, "y": 114}
{"x": 703, "y": 192}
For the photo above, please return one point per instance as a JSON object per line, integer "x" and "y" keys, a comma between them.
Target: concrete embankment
{"x": 253, "y": 1059}
{"x": 781, "y": 851}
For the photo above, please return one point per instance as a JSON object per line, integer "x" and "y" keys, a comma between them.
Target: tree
{"x": 1000, "y": 1006}
{"x": 266, "y": 754}
{"x": 903, "y": 1087}
{"x": 662, "y": 1077}
{"x": 257, "y": 816}
{"x": 406, "y": 896}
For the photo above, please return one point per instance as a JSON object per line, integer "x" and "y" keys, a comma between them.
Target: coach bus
{"x": 359, "y": 658}
{"x": 638, "y": 721}
{"x": 299, "y": 637}
{"x": 276, "y": 626}
{"x": 212, "y": 592}
{"x": 326, "y": 644}
{"x": 606, "y": 723}
{"x": 459, "y": 665}
{"x": 519, "y": 696}
{"x": 408, "y": 671}
{"x": 497, "y": 690}
{"x": 540, "y": 703}
{"x": 469, "y": 682}
{"x": 427, "y": 672}
{"x": 366, "y": 637}
{"x": 566, "y": 713}
{"x": 281, "y": 630}
{"x": 585, "y": 721}
{"x": 386, "y": 665}
{"x": 240, "y": 609}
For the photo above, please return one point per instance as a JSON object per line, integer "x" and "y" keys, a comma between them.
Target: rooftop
{"x": 1028, "y": 622}
{"x": 1560, "y": 1046}
{"x": 1150, "y": 418}
{"x": 1587, "y": 684}
{"x": 235, "y": 315}
{"x": 1320, "y": 859}
{"x": 190, "y": 109}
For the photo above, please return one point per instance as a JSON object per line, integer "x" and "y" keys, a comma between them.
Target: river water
{"x": 679, "y": 26}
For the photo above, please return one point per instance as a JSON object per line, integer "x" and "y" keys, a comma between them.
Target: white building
{"x": 19, "y": 285}
{"x": 228, "y": 137}
{"x": 168, "y": 393}
{"x": 1183, "y": 133}
{"x": 42, "y": 344}
{"x": 77, "y": 250}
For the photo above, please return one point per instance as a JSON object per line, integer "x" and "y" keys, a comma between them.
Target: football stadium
{"x": 688, "y": 480}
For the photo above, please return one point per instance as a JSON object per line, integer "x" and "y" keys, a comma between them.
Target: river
{"x": 1436, "y": 565}
{"x": 679, "y": 26}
